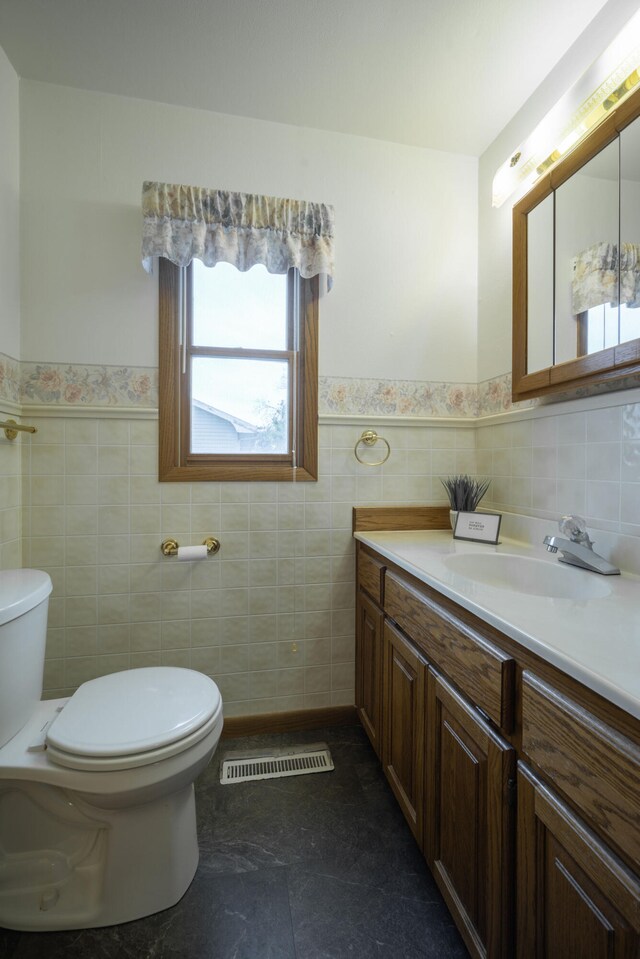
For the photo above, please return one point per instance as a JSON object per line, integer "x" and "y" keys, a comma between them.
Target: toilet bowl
{"x": 97, "y": 808}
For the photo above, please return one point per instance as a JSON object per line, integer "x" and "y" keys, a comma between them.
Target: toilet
{"x": 97, "y": 808}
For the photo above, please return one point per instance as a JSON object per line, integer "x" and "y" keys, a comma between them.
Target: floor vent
{"x": 289, "y": 761}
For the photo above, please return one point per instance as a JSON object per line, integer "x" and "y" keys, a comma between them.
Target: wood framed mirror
{"x": 576, "y": 264}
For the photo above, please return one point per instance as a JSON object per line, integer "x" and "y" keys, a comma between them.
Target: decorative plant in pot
{"x": 464, "y": 493}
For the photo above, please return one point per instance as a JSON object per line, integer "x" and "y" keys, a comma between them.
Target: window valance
{"x": 183, "y": 223}
{"x": 595, "y": 275}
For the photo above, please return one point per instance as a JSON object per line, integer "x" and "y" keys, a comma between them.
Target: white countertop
{"x": 594, "y": 640}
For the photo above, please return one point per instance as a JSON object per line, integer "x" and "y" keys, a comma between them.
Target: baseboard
{"x": 289, "y": 722}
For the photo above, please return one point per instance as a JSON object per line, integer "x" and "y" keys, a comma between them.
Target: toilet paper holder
{"x": 170, "y": 546}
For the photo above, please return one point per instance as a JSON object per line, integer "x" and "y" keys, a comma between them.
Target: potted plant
{"x": 464, "y": 493}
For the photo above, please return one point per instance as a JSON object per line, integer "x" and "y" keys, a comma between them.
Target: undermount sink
{"x": 523, "y": 574}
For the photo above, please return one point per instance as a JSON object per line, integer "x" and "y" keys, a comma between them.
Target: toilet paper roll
{"x": 187, "y": 553}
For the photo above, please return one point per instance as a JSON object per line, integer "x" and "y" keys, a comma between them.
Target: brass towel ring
{"x": 370, "y": 438}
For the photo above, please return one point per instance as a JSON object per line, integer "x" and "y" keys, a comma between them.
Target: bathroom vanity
{"x": 507, "y": 721}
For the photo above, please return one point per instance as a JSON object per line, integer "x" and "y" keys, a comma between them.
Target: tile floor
{"x": 310, "y": 867}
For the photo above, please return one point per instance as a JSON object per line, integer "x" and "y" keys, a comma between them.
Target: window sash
{"x": 289, "y": 357}
{"x": 177, "y": 463}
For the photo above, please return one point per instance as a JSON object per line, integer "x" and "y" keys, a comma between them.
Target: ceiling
{"x": 446, "y": 74}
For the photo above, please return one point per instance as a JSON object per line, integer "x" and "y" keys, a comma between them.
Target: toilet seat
{"x": 133, "y": 718}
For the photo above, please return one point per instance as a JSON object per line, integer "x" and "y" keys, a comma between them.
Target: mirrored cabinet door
{"x": 629, "y": 315}
{"x": 576, "y": 264}
{"x": 587, "y": 225}
{"x": 540, "y": 286}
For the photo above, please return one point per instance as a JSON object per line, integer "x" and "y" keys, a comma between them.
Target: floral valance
{"x": 183, "y": 223}
{"x": 595, "y": 275}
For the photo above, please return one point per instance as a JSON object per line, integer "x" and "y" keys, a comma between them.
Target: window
{"x": 607, "y": 325}
{"x": 238, "y": 374}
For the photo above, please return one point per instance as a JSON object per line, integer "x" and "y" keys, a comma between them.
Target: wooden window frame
{"x": 176, "y": 464}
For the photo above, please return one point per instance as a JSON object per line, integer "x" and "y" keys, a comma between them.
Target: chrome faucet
{"x": 578, "y": 549}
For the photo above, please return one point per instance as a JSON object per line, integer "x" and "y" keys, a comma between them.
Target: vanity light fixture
{"x": 608, "y": 80}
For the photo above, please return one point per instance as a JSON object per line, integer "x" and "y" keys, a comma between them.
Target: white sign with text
{"x": 483, "y": 527}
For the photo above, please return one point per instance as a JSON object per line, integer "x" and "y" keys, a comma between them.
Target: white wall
{"x": 406, "y": 227}
{"x": 494, "y": 225}
{"x": 580, "y": 456}
{"x": 9, "y": 211}
{"x": 272, "y": 616}
{"x": 10, "y": 465}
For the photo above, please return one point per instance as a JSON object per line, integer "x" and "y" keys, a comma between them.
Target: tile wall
{"x": 271, "y": 617}
{"x": 584, "y": 461}
{"x": 10, "y": 503}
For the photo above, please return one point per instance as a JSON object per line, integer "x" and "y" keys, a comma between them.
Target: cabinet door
{"x": 575, "y": 898}
{"x": 470, "y": 819}
{"x": 404, "y": 717}
{"x": 369, "y": 668}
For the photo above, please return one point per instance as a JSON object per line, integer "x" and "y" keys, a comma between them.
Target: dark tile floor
{"x": 308, "y": 867}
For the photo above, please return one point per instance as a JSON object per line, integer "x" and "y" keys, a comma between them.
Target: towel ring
{"x": 370, "y": 438}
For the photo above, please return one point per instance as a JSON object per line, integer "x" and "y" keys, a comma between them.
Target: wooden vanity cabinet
{"x": 575, "y": 895}
{"x": 575, "y": 898}
{"x": 369, "y": 647}
{"x": 369, "y": 657}
{"x": 522, "y": 787}
{"x": 470, "y": 816}
{"x": 403, "y": 747}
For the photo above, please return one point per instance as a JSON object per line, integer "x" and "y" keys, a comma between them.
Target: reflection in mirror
{"x": 586, "y": 258}
{"x": 590, "y": 258}
{"x": 540, "y": 286}
{"x": 630, "y": 232}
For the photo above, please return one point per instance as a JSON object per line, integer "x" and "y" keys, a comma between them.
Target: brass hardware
{"x": 11, "y": 429}
{"x": 370, "y": 438}
{"x": 170, "y": 546}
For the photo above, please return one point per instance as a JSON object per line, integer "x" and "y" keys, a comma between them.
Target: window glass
{"x": 239, "y": 406}
{"x": 239, "y": 310}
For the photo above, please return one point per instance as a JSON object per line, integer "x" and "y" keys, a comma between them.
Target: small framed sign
{"x": 480, "y": 527}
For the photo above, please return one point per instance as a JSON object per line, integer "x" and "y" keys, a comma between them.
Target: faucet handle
{"x": 576, "y": 529}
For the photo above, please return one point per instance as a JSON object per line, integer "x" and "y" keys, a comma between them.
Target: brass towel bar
{"x": 11, "y": 429}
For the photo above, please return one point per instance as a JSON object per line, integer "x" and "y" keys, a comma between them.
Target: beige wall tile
{"x": 271, "y": 617}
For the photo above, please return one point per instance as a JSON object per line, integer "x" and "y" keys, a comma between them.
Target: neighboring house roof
{"x": 240, "y": 426}
{"x": 216, "y": 431}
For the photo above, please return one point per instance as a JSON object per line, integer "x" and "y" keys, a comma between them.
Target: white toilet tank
{"x": 24, "y": 601}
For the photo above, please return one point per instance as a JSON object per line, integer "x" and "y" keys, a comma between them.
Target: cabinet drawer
{"x": 482, "y": 671}
{"x": 370, "y": 573}
{"x": 595, "y": 766}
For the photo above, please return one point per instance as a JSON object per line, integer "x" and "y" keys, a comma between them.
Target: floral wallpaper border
{"x": 10, "y": 375}
{"x": 78, "y": 385}
{"x": 494, "y": 396}
{"x": 64, "y": 384}
{"x": 396, "y": 397}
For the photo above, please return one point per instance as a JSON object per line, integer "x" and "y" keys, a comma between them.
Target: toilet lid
{"x": 134, "y": 711}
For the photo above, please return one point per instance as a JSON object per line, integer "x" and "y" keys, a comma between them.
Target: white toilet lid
{"x": 134, "y": 711}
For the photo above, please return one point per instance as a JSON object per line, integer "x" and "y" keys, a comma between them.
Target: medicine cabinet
{"x": 576, "y": 264}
